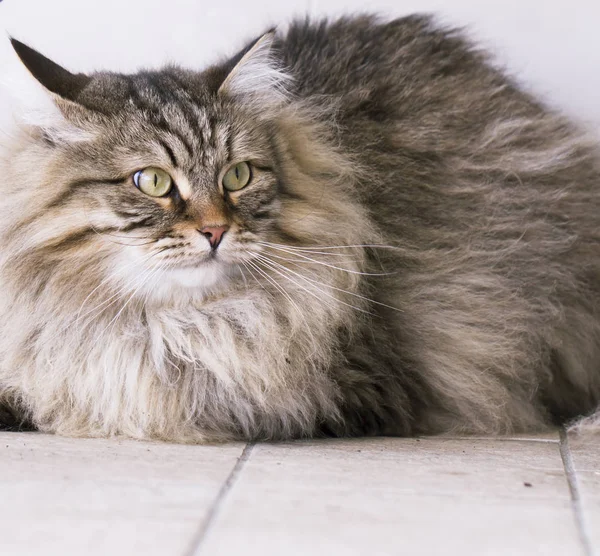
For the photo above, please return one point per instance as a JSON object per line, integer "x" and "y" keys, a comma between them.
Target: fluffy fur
{"x": 418, "y": 251}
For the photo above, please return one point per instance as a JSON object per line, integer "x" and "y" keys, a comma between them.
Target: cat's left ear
{"x": 49, "y": 74}
{"x": 257, "y": 75}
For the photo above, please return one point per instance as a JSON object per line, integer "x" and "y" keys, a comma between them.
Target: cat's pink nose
{"x": 214, "y": 234}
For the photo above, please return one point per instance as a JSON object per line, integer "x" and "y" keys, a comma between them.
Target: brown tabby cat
{"x": 357, "y": 227}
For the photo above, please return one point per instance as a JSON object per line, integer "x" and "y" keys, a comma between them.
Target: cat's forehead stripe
{"x": 183, "y": 123}
{"x": 169, "y": 114}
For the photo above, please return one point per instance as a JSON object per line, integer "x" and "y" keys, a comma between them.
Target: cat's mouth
{"x": 191, "y": 259}
{"x": 214, "y": 261}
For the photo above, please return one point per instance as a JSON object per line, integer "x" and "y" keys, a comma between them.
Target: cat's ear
{"x": 256, "y": 74}
{"x": 50, "y": 75}
{"x": 65, "y": 118}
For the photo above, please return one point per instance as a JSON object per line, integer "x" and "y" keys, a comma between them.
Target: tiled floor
{"x": 368, "y": 497}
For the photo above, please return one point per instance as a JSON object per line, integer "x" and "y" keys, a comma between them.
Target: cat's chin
{"x": 197, "y": 281}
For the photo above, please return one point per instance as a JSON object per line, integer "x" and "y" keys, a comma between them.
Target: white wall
{"x": 553, "y": 46}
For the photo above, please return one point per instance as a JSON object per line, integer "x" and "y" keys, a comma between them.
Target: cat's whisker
{"x": 280, "y": 288}
{"x": 69, "y": 324}
{"x": 146, "y": 298}
{"x": 305, "y": 250}
{"x": 309, "y": 292}
{"x": 109, "y": 235}
{"x": 28, "y": 247}
{"x": 103, "y": 306}
{"x": 243, "y": 274}
{"x": 154, "y": 271}
{"x": 280, "y": 269}
{"x": 245, "y": 263}
{"x": 339, "y": 289}
{"x": 111, "y": 277}
{"x": 314, "y": 261}
{"x": 279, "y": 257}
{"x": 275, "y": 265}
{"x": 106, "y": 303}
{"x": 323, "y": 247}
{"x": 345, "y": 256}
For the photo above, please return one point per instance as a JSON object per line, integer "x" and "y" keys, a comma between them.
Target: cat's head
{"x": 169, "y": 179}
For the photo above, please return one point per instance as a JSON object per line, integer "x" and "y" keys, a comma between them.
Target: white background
{"x": 552, "y": 46}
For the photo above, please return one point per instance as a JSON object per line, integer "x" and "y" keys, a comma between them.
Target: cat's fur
{"x": 418, "y": 251}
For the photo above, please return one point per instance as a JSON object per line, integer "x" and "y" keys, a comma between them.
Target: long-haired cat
{"x": 355, "y": 227}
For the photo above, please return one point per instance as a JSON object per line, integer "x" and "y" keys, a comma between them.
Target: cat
{"x": 354, "y": 227}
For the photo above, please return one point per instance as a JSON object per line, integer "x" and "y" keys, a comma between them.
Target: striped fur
{"x": 418, "y": 251}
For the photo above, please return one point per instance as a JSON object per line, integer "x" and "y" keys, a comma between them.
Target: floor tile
{"x": 397, "y": 496}
{"x": 105, "y": 497}
{"x": 585, "y": 453}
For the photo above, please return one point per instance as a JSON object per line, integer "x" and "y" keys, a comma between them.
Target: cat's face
{"x": 159, "y": 179}
{"x": 180, "y": 187}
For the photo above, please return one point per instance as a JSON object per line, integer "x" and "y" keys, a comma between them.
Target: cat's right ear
{"x": 50, "y": 75}
{"x": 66, "y": 118}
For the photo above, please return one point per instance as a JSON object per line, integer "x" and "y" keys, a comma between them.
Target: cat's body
{"x": 418, "y": 250}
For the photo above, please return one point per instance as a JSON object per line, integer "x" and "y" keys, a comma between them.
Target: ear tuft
{"x": 53, "y": 77}
{"x": 258, "y": 75}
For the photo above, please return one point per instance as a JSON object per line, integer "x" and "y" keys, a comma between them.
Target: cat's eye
{"x": 237, "y": 177}
{"x": 153, "y": 181}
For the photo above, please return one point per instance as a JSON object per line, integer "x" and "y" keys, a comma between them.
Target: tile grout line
{"x": 205, "y": 526}
{"x": 498, "y": 438}
{"x": 569, "y": 467}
